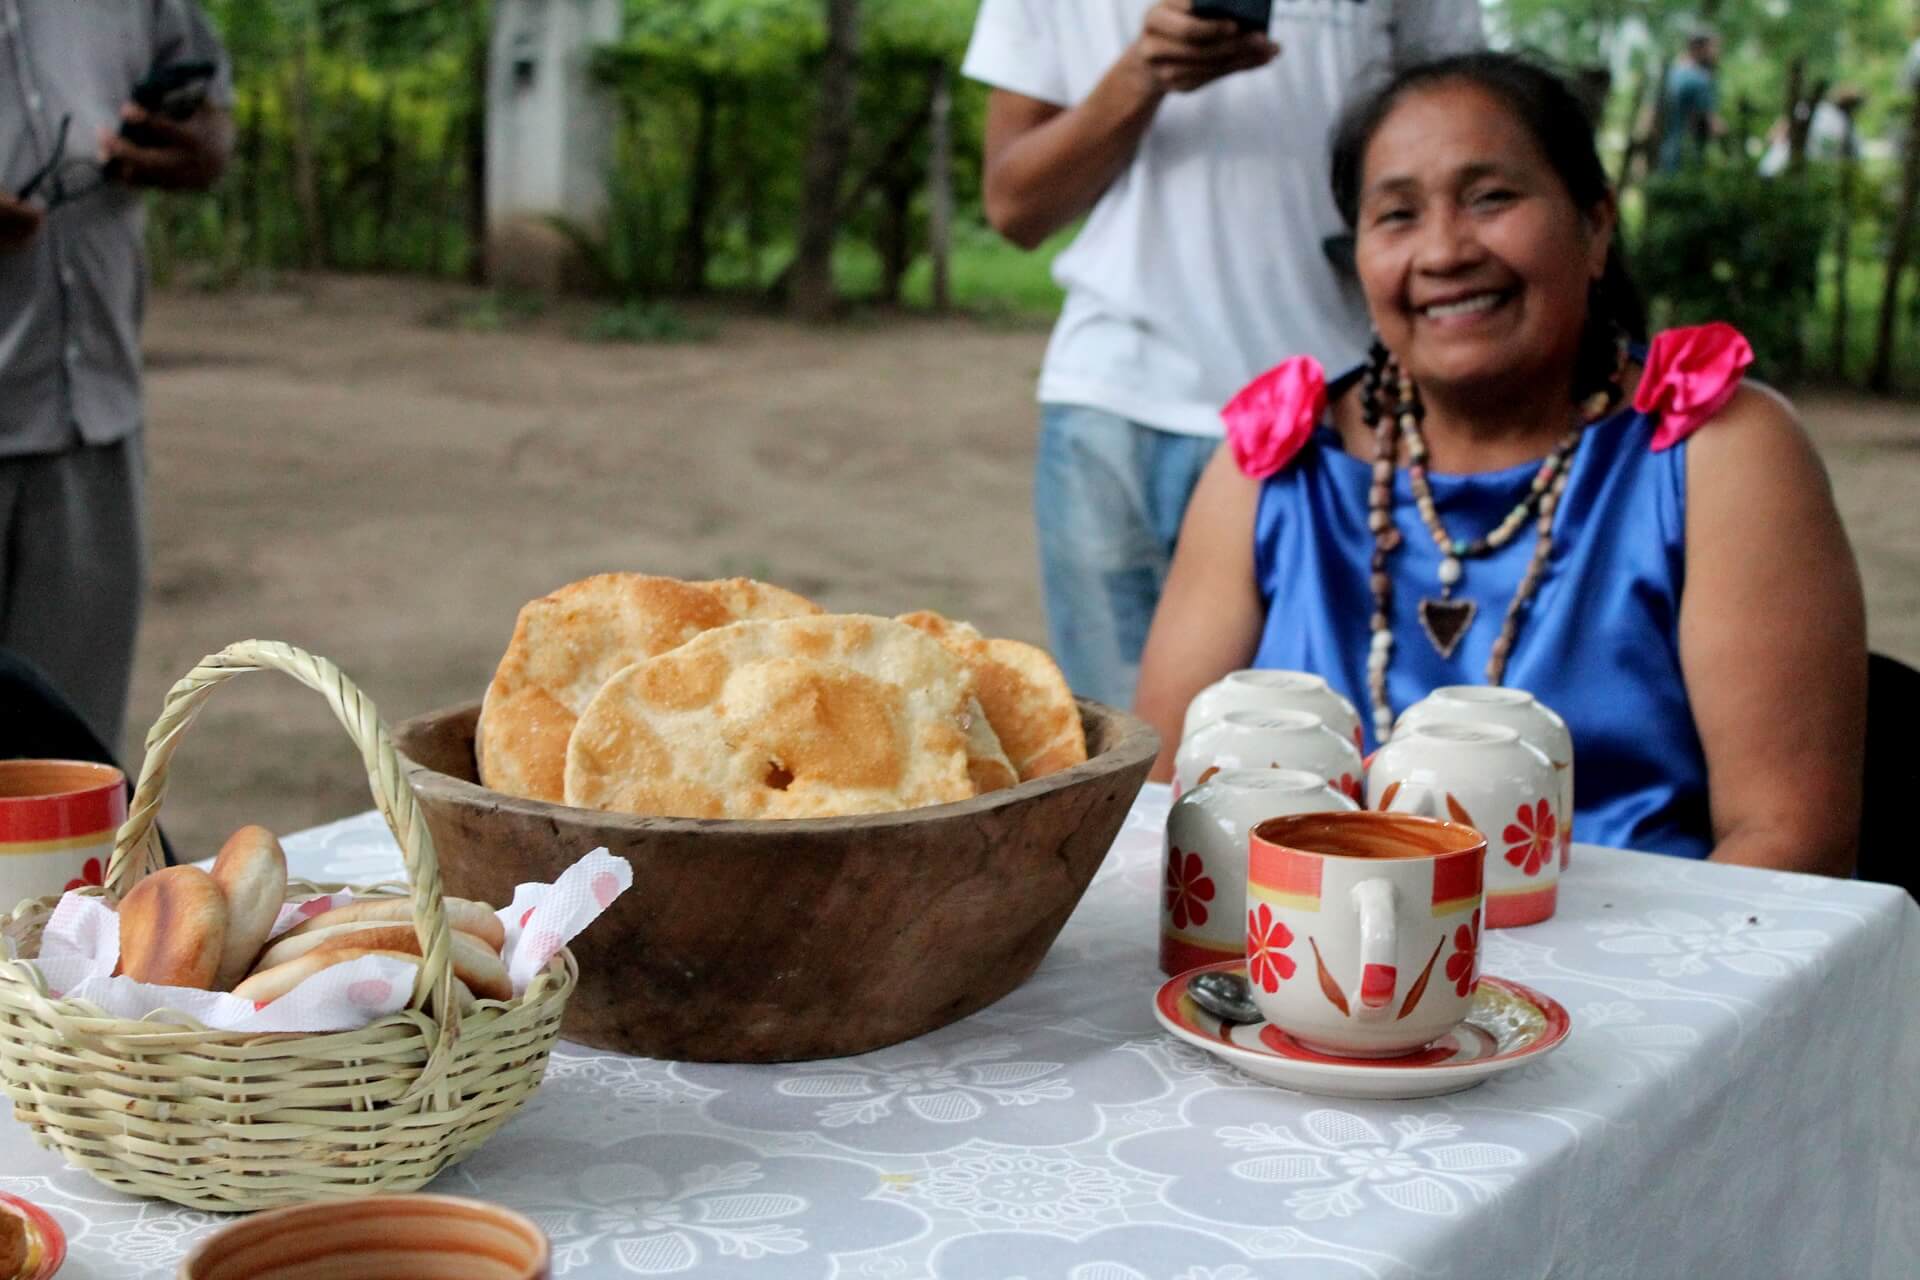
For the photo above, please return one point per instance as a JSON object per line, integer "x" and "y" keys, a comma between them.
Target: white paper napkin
{"x": 81, "y": 946}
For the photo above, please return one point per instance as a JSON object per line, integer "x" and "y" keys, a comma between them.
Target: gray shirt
{"x": 71, "y": 300}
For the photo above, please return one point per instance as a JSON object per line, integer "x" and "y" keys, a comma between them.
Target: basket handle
{"x": 137, "y": 853}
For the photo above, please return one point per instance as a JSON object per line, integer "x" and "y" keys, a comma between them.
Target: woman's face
{"x": 1475, "y": 261}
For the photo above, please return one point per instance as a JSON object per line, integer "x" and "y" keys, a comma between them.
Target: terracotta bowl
{"x": 376, "y": 1238}
{"x": 815, "y": 938}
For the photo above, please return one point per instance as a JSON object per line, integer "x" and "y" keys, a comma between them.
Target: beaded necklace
{"x": 1444, "y": 619}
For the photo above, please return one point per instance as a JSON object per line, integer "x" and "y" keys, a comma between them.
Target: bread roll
{"x": 269, "y": 985}
{"x": 252, "y": 871}
{"x": 173, "y": 927}
{"x": 476, "y": 918}
{"x": 474, "y": 963}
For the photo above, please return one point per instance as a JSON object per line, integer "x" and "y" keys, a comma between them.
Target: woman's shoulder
{"x": 1696, "y": 376}
{"x": 1273, "y": 418}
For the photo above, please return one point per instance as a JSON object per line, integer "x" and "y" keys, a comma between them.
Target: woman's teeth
{"x": 1465, "y": 307}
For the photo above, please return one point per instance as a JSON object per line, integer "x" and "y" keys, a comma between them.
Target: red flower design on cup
{"x": 1531, "y": 837}
{"x": 1267, "y": 941}
{"x": 91, "y": 874}
{"x": 1462, "y": 965}
{"x": 1350, "y": 787}
{"x": 1189, "y": 890}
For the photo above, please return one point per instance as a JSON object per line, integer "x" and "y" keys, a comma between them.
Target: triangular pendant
{"x": 1445, "y": 621}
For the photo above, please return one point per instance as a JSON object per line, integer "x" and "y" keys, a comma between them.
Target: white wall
{"x": 549, "y": 130}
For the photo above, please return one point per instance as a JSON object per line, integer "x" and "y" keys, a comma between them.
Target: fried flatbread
{"x": 1026, "y": 698}
{"x": 565, "y": 645}
{"x": 802, "y": 718}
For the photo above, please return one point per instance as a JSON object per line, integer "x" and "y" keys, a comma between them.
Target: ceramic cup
{"x": 1485, "y": 777}
{"x": 1268, "y": 740}
{"x": 1203, "y": 907}
{"x": 1519, "y": 710}
{"x": 377, "y": 1238}
{"x": 1363, "y": 929}
{"x": 1273, "y": 691}
{"x": 57, "y": 823}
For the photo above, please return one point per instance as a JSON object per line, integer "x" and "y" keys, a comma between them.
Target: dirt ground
{"x": 330, "y": 469}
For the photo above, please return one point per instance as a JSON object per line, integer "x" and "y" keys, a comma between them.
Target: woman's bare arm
{"x": 1209, "y": 618}
{"x": 1773, "y": 642}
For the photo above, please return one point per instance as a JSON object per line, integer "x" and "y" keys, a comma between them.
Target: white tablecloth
{"x": 1740, "y": 1097}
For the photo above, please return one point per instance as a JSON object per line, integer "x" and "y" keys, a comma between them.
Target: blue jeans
{"x": 1108, "y": 497}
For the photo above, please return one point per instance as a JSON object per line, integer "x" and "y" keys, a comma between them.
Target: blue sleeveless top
{"x": 1599, "y": 642}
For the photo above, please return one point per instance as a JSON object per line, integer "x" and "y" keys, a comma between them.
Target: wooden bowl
{"x": 772, "y": 941}
{"x": 376, "y": 1238}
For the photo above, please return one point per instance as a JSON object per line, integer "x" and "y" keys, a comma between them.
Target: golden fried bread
{"x": 13, "y": 1244}
{"x": 1026, "y": 698}
{"x": 173, "y": 927}
{"x": 806, "y": 717}
{"x": 474, "y": 962}
{"x": 564, "y": 647}
{"x": 252, "y": 871}
{"x": 476, "y": 918}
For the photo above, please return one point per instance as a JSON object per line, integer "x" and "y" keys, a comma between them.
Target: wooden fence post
{"x": 1843, "y": 250}
{"x": 940, "y": 185}
{"x": 1880, "y": 378}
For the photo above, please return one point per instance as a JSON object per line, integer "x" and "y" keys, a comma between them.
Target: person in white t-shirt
{"x": 1198, "y": 154}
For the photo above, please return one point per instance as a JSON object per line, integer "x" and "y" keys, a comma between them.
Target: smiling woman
{"x": 1518, "y": 487}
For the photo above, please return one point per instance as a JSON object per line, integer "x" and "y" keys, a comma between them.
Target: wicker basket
{"x": 222, "y": 1120}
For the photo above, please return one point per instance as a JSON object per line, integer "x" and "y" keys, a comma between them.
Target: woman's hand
{"x": 1773, "y": 642}
{"x": 1210, "y": 615}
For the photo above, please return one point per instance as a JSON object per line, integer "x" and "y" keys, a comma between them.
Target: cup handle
{"x": 1379, "y": 945}
{"x": 1417, "y": 799}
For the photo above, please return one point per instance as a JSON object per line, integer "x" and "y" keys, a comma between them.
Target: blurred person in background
{"x": 1830, "y": 133}
{"x": 1196, "y": 151}
{"x": 75, "y": 154}
{"x": 1690, "y": 107}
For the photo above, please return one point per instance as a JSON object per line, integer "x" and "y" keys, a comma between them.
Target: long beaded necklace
{"x": 1444, "y": 619}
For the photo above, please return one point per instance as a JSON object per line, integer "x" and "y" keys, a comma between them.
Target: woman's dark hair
{"x": 1549, "y": 110}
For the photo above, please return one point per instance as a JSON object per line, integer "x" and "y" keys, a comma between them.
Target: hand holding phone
{"x": 174, "y": 91}
{"x": 165, "y": 139}
{"x": 1187, "y": 46}
{"x": 1248, "y": 15}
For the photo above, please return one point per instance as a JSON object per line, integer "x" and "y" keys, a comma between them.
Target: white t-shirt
{"x": 1202, "y": 264}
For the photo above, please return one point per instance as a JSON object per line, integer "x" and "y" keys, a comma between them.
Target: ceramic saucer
{"x": 52, "y": 1240}
{"x": 1507, "y": 1026}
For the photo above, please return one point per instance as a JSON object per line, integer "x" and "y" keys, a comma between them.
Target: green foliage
{"x": 1723, "y": 243}
{"x": 739, "y": 73}
{"x": 640, "y": 321}
{"x": 497, "y": 312}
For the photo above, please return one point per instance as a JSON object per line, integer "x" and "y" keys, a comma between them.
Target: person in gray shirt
{"x": 72, "y": 290}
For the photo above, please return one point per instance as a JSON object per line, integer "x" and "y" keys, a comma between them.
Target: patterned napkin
{"x": 81, "y": 946}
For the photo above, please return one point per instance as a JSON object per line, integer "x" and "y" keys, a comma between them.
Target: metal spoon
{"x": 1224, "y": 995}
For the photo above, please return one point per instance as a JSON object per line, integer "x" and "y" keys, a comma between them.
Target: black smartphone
{"x": 176, "y": 90}
{"x": 1251, "y": 15}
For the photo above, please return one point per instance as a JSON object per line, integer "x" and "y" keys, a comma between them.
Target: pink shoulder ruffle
{"x": 1690, "y": 375}
{"x": 1273, "y": 417}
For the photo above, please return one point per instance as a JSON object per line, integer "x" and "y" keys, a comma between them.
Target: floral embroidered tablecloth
{"x": 1740, "y": 1097}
